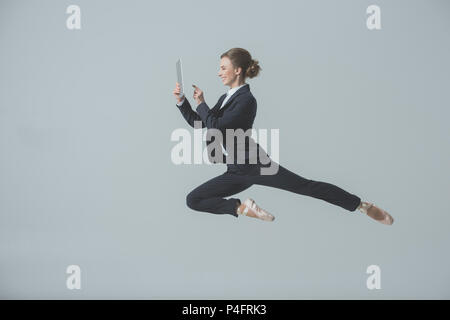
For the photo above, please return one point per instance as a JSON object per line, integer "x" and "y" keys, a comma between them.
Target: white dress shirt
{"x": 229, "y": 94}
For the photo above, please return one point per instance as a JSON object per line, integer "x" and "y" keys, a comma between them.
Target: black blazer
{"x": 238, "y": 113}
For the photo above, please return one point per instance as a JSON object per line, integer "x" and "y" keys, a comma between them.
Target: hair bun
{"x": 253, "y": 68}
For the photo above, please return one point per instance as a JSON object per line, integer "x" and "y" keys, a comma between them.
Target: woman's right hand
{"x": 176, "y": 92}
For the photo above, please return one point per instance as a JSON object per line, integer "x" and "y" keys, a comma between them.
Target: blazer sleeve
{"x": 241, "y": 115}
{"x": 188, "y": 113}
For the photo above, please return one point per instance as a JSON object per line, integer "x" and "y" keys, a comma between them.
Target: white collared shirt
{"x": 230, "y": 93}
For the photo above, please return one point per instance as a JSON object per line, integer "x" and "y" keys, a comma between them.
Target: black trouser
{"x": 209, "y": 196}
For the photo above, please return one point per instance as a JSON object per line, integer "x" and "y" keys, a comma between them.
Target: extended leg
{"x": 287, "y": 180}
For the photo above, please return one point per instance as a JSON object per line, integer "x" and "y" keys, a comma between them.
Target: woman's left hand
{"x": 198, "y": 95}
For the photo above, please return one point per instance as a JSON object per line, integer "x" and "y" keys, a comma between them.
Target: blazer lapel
{"x": 219, "y": 103}
{"x": 234, "y": 95}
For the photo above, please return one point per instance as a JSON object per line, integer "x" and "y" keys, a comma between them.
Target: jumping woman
{"x": 236, "y": 109}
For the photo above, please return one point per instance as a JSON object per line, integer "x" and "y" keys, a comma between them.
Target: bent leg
{"x": 209, "y": 196}
{"x": 287, "y": 180}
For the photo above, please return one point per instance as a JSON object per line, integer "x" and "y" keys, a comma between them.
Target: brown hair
{"x": 241, "y": 58}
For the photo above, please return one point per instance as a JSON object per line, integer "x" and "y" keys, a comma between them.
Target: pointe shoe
{"x": 376, "y": 213}
{"x": 250, "y": 205}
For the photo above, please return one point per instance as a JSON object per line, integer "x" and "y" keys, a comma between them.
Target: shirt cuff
{"x": 182, "y": 101}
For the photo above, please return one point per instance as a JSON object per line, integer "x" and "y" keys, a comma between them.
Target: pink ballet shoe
{"x": 250, "y": 205}
{"x": 376, "y": 213}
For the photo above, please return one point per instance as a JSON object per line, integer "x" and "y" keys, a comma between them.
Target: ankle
{"x": 240, "y": 207}
{"x": 360, "y": 205}
{"x": 363, "y": 206}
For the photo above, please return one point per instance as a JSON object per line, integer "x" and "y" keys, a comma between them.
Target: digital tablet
{"x": 180, "y": 77}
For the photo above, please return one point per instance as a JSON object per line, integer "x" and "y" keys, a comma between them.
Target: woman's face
{"x": 227, "y": 72}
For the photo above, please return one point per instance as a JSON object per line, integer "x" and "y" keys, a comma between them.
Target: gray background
{"x": 86, "y": 176}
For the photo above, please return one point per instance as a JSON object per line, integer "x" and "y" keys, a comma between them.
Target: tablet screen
{"x": 180, "y": 77}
